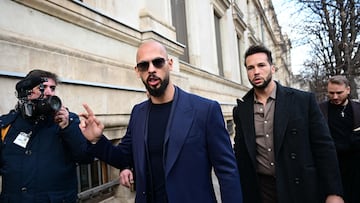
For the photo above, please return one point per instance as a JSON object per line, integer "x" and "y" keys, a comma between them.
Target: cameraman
{"x": 40, "y": 145}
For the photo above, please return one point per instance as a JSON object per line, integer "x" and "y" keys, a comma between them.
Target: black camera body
{"x": 36, "y": 108}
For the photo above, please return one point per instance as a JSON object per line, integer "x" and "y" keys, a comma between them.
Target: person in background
{"x": 343, "y": 117}
{"x": 41, "y": 145}
{"x": 174, "y": 140}
{"x": 283, "y": 146}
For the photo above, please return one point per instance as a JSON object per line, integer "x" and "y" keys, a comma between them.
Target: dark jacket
{"x": 348, "y": 148}
{"x": 305, "y": 157}
{"x": 44, "y": 171}
{"x": 355, "y": 136}
{"x": 196, "y": 141}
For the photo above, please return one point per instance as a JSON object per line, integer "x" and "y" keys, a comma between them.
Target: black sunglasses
{"x": 157, "y": 62}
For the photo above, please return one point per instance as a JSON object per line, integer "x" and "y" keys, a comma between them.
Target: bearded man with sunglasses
{"x": 173, "y": 140}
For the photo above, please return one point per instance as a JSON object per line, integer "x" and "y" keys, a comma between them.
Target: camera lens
{"x": 47, "y": 106}
{"x": 54, "y": 103}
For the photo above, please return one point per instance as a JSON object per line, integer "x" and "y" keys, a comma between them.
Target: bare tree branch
{"x": 332, "y": 29}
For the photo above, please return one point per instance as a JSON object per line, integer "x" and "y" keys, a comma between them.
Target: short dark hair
{"x": 43, "y": 74}
{"x": 340, "y": 80}
{"x": 254, "y": 49}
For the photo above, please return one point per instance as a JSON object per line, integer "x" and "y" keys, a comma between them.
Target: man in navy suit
{"x": 173, "y": 140}
{"x": 283, "y": 146}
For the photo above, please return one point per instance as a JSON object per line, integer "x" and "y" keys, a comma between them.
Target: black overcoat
{"x": 305, "y": 156}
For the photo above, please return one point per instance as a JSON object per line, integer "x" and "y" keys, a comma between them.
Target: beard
{"x": 157, "y": 91}
{"x": 266, "y": 82}
{"x": 338, "y": 102}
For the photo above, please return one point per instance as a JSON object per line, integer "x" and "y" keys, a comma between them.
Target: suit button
{"x": 293, "y": 156}
{"x": 23, "y": 189}
{"x": 297, "y": 181}
{"x": 28, "y": 152}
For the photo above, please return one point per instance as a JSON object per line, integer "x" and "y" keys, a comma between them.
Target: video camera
{"x": 40, "y": 107}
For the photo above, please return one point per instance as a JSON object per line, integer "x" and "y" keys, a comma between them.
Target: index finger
{"x": 88, "y": 110}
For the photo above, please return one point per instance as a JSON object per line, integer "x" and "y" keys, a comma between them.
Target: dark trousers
{"x": 350, "y": 175}
{"x": 268, "y": 188}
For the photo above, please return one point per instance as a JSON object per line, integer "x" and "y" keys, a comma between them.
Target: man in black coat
{"x": 343, "y": 117}
{"x": 283, "y": 147}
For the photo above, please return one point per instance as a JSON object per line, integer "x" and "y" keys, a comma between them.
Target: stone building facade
{"x": 91, "y": 45}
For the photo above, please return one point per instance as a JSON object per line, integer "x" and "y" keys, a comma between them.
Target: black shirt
{"x": 340, "y": 120}
{"x": 158, "y": 119}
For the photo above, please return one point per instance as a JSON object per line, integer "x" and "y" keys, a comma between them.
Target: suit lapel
{"x": 180, "y": 121}
{"x": 141, "y": 139}
{"x": 281, "y": 117}
{"x": 247, "y": 120}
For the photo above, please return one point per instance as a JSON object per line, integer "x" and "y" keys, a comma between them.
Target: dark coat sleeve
{"x": 324, "y": 151}
{"x": 119, "y": 156}
{"x": 75, "y": 141}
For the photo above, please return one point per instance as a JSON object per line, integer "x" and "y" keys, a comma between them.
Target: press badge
{"x": 22, "y": 139}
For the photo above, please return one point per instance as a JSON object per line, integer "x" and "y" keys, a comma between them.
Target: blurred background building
{"x": 91, "y": 45}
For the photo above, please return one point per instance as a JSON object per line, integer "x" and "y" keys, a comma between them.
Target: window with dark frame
{"x": 179, "y": 22}
{"x": 239, "y": 57}
{"x": 94, "y": 181}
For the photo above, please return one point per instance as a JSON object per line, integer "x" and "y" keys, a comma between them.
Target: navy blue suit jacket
{"x": 196, "y": 141}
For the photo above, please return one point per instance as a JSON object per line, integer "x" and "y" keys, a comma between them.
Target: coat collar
{"x": 281, "y": 115}
{"x": 8, "y": 118}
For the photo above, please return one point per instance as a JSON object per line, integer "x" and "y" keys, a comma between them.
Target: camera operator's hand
{"x": 62, "y": 117}
{"x": 90, "y": 126}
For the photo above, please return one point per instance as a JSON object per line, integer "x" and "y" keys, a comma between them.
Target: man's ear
{"x": 170, "y": 62}
{"x": 137, "y": 72}
{"x": 273, "y": 69}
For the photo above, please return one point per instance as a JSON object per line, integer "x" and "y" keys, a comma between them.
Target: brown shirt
{"x": 264, "y": 124}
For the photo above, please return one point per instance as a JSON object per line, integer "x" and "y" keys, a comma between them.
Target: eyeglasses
{"x": 157, "y": 62}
